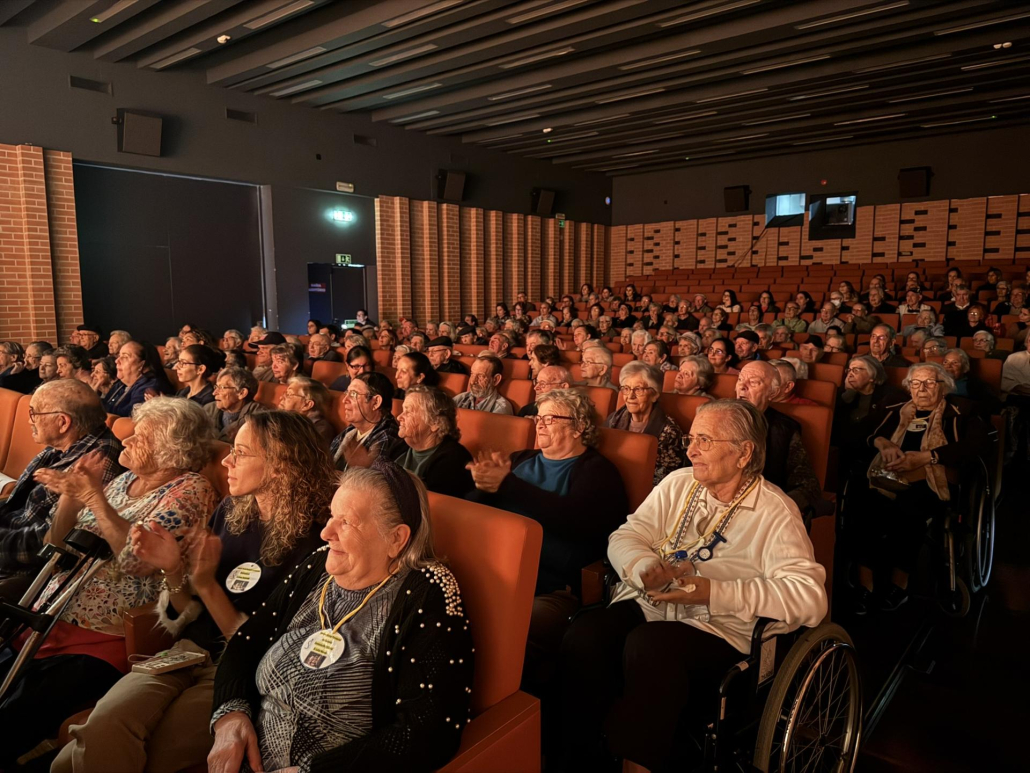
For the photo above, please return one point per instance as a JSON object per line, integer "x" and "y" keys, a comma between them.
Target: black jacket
{"x": 25, "y": 382}
{"x": 965, "y": 432}
{"x": 452, "y": 366}
{"x": 445, "y": 471}
{"x": 425, "y": 641}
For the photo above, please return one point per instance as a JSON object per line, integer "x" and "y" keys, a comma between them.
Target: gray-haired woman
{"x": 694, "y": 376}
{"x": 713, "y": 548}
{"x": 428, "y": 425}
{"x": 234, "y": 390}
{"x": 362, "y": 659}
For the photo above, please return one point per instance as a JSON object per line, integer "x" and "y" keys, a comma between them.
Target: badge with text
{"x": 243, "y": 577}
{"x": 918, "y": 425}
{"x": 321, "y": 649}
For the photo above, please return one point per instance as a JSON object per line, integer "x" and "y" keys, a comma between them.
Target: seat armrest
{"x": 143, "y": 633}
{"x": 505, "y": 737}
{"x": 593, "y": 579}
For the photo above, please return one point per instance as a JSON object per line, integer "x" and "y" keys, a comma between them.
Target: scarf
{"x": 933, "y": 438}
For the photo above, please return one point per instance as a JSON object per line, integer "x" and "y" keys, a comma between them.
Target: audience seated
{"x": 640, "y": 385}
{"x": 882, "y": 347}
{"x": 105, "y": 375}
{"x": 21, "y": 371}
{"x": 482, "y": 394}
{"x": 412, "y": 369}
{"x": 170, "y": 352}
{"x": 550, "y": 378}
{"x": 404, "y": 624}
{"x": 672, "y": 573}
{"x": 263, "y": 362}
{"x": 955, "y": 313}
{"x": 788, "y": 368}
{"x": 92, "y": 340}
{"x": 359, "y": 361}
{"x": 861, "y": 402}
{"x": 791, "y": 318}
{"x": 312, "y": 400}
{"x": 235, "y": 391}
{"x": 812, "y": 350}
{"x": 746, "y": 346}
{"x": 196, "y": 368}
{"x": 140, "y": 375}
{"x": 161, "y": 490}
{"x": 827, "y": 319}
{"x": 11, "y": 356}
{"x": 688, "y": 344}
{"x": 428, "y": 426}
{"x": 440, "y": 351}
{"x": 371, "y": 428}
{"x": 969, "y": 394}
{"x": 320, "y": 349}
{"x": 116, "y": 340}
{"x": 595, "y": 367}
{"x": 694, "y": 376}
{"x": 722, "y": 356}
{"x": 73, "y": 362}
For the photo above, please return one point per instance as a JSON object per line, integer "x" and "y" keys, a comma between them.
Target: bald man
{"x": 786, "y": 462}
{"x": 68, "y": 420}
{"x": 550, "y": 377}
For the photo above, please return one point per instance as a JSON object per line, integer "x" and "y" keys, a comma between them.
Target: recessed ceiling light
{"x": 404, "y": 55}
{"x": 1006, "y": 44}
{"x": 296, "y": 57}
{"x": 281, "y": 13}
{"x": 602, "y": 120}
{"x": 519, "y": 93}
{"x": 415, "y": 90}
{"x": 869, "y": 120}
{"x": 979, "y": 24}
{"x": 548, "y": 130}
{"x": 708, "y": 12}
{"x": 117, "y": 8}
{"x": 731, "y": 96}
{"x": 537, "y": 57}
{"x": 930, "y": 96}
{"x": 849, "y": 16}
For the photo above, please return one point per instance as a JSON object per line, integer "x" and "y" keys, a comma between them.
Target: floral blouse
{"x": 124, "y": 582}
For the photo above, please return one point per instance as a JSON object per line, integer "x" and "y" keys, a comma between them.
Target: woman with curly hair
{"x": 281, "y": 481}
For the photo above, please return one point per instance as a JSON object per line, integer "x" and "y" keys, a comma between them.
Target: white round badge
{"x": 243, "y": 577}
{"x": 321, "y": 649}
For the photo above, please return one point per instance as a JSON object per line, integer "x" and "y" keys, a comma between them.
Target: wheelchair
{"x": 83, "y": 557}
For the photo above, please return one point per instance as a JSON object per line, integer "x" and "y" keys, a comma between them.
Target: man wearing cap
{"x": 439, "y": 352}
{"x": 89, "y": 339}
{"x": 263, "y": 361}
{"x": 812, "y": 350}
{"x": 746, "y": 345}
{"x": 466, "y": 335}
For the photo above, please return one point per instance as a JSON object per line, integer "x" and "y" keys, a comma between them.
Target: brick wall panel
{"x": 473, "y": 268}
{"x": 583, "y": 248}
{"x": 393, "y": 257}
{"x": 634, "y": 250}
{"x": 493, "y": 255}
{"x": 514, "y": 255}
{"x": 534, "y": 265}
{"x": 966, "y": 222}
{"x": 425, "y": 261}
{"x": 684, "y": 247}
{"x": 707, "y": 239}
{"x": 450, "y": 262}
{"x": 923, "y": 231}
{"x": 860, "y": 249}
{"x": 788, "y": 246}
{"x": 617, "y": 255}
{"x": 1021, "y": 252}
{"x": 1000, "y": 229}
{"x": 885, "y": 233}
{"x": 598, "y": 253}
{"x": 550, "y": 249}
{"x": 822, "y": 251}
{"x": 567, "y": 272}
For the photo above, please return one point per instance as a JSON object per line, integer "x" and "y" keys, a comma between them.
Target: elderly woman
{"x": 983, "y": 341}
{"x": 311, "y": 400}
{"x": 140, "y": 374}
{"x": 428, "y": 425}
{"x": 115, "y": 341}
{"x": 722, "y": 356}
{"x": 922, "y": 445}
{"x": 414, "y": 368}
{"x": 688, "y": 344}
{"x": 656, "y": 354}
{"x": 47, "y": 368}
{"x": 399, "y": 352}
{"x": 639, "y": 387}
{"x": 371, "y": 428}
{"x": 638, "y": 340}
{"x": 970, "y": 394}
{"x": 171, "y": 352}
{"x": 865, "y": 394}
{"x": 285, "y": 363}
{"x": 711, "y": 550}
{"x": 542, "y": 356}
{"x": 234, "y": 391}
{"x": 72, "y": 362}
{"x": 105, "y": 372}
{"x": 719, "y": 320}
{"x": 12, "y": 356}
{"x": 280, "y": 485}
{"x": 161, "y": 490}
{"x": 196, "y": 371}
{"x": 362, "y": 657}
{"x": 694, "y": 376}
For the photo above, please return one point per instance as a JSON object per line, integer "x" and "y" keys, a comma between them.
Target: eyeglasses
{"x": 591, "y": 362}
{"x": 33, "y": 415}
{"x": 855, "y": 370}
{"x": 184, "y": 362}
{"x": 236, "y": 455}
{"x": 930, "y": 383}
{"x": 224, "y": 388}
{"x": 354, "y": 395}
{"x": 701, "y": 442}
{"x": 635, "y": 391}
{"x": 547, "y": 421}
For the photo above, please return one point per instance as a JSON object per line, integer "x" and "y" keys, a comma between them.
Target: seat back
{"x": 383, "y": 358}
{"x": 9, "y": 400}
{"x": 822, "y": 392}
{"x": 328, "y": 372}
{"x": 724, "y": 386}
{"x": 268, "y": 394}
{"x": 23, "y": 447}
{"x": 826, "y": 371}
{"x": 512, "y": 368}
{"x": 603, "y": 400}
{"x": 494, "y": 556}
{"x": 518, "y": 391}
{"x": 123, "y": 427}
{"x": 482, "y": 431}
{"x": 816, "y": 424}
{"x": 215, "y": 471}
{"x": 989, "y": 372}
{"x": 453, "y": 384}
{"x": 634, "y": 455}
{"x": 682, "y": 408}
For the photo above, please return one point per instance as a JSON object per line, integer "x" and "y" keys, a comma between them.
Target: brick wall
{"x": 40, "y": 290}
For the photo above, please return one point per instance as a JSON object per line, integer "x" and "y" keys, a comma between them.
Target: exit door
{"x": 335, "y": 293}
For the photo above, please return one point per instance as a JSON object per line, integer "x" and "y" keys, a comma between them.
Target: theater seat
{"x": 816, "y": 424}
{"x": 22, "y": 448}
{"x": 822, "y": 392}
{"x": 268, "y": 394}
{"x": 518, "y": 391}
{"x": 634, "y": 455}
{"x": 826, "y": 371}
{"x": 328, "y": 372}
{"x": 215, "y": 471}
{"x": 8, "y": 410}
{"x": 988, "y": 371}
{"x": 603, "y": 400}
{"x": 453, "y": 384}
{"x": 514, "y": 369}
{"x": 682, "y": 408}
{"x": 724, "y": 386}
{"x": 482, "y": 431}
{"x": 123, "y": 427}
{"x": 383, "y": 358}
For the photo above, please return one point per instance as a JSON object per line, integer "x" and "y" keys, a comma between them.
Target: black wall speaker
{"x": 450, "y": 185}
{"x": 737, "y": 198}
{"x": 542, "y": 202}
{"x": 138, "y": 133}
{"x": 914, "y": 182}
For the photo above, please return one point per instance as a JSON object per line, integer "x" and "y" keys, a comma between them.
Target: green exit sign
{"x": 343, "y": 259}
{"x": 561, "y": 223}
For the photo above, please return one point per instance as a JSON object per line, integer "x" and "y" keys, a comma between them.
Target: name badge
{"x": 918, "y": 425}
{"x": 243, "y": 577}
{"x": 321, "y": 649}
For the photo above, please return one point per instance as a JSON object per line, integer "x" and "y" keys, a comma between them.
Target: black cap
{"x": 467, "y": 330}
{"x": 89, "y": 329}
{"x": 749, "y": 335}
{"x": 815, "y": 340}
{"x": 443, "y": 341}
{"x": 271, "y": 339}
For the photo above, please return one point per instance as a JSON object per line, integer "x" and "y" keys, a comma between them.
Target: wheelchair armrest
{"x": 758, "y": 636}
{"x": 594, "y": 580}
{"x": 143, "y": 633}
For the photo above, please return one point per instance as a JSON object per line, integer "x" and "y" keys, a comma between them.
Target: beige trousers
{"x": 145, "y": 723}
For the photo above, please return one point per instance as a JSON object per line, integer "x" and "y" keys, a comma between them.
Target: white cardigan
{"x": 766, "y": 568}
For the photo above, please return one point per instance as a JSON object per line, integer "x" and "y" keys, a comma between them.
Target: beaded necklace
{"x": 703, "y": 542}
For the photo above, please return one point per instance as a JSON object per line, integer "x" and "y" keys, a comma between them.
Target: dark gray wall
{"x": 985, "y": 163}
{"x": 38, "y": 107}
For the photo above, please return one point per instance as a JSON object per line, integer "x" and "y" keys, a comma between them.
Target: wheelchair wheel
{"x": 979, "y": 541}
{"x": 812, "y": 719}
{"x": 954, "y": 603}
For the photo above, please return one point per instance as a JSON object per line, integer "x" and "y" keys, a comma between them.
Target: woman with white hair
{"x": 640, "y": 386}
{"x": 971, "y": 394}
{"x": 428, "y": 425}
{"x": 713, "y": 548}
{"x": 694, "y": 376}
{"x": 922, "y": 445}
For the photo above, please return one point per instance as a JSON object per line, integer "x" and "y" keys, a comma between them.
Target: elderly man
{"x": 811, "y": 350}
{"x": 67, "y": 418}
{"x": 746, "y": 345}
{"x": 984, "y": 342}
{"x": 827, "y": 319}
{"x": 685, "y": 320}
{"x": 878, "y": 303}
{"x": 440, "y": 351}
{"x": 835, "y": 342}
{"x": 765, "y": 336}
{"x": 782, "y": 335}
{"x": 482, "y": 394}
{"x": 549, "y": 378}
{"x": 881, "y": 346}
{"x": 860, "y": 322}
{"x": 786, "y": 462}
{"x": 232, "y": 341}
{"x": 535, "y": 338}
{"x": 23, "y": 377}
{"x": 955, "y": 314}
{"x": 788, "y": 383}
{"x": 595, "y": 367}
{"x": 638, "y": 340}
{"x": 320, "y": 349}
{"x": 520, "y": 297}
{"x": 913, "y": 302}
{"x": 90, "y": 340}
{"x": 263, "y": 360}
{"x": 500, "y": 345}
{"x": 544, "y": 316}
{"x": 701, "y": 303}
{"x": 791, "y": 318}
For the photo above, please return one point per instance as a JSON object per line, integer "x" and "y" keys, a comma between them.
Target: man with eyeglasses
{"x": 881, "y": 346}
{"x": 90, "y": 340}
{"x": 440, "y": 351}
{"x": 482, "y": 394}
{"x": 791, "y": 319}
{"x": 550, "y": 378}
{"x": 67, "y": 418}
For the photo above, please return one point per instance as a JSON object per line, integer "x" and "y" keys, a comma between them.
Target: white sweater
{"x": 766, "y": 568}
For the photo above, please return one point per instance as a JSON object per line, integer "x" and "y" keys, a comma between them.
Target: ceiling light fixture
{"x": 298, "y": 87}
{"x": 731, "y": 96}
{"x": 537, "y": 57}
{"x": 634, "y": 95}
{"x": 869, "y": 120}
{"x": 709, "y": 12}
{"x": 548, "y": 130}
{"x": 929, "y": 96}
{"x": 404, "y": 55}
{"x": 658, "y": 60}
{"x": 296, "y": 57}
{"x": 849, "y": 16}
{"x": 169, "y": 61}
{"x": 781, "y": 65}
{"x": 745, "y": 137}
{"x": 979, "y": 24}
{"x": 117, "y": 8}
{"x": 548, "y": 8}
{"x": 1006, "y": 44}
{"x": 774, "y": 120}
{"x": 687, "y": 117}
{"x": 519, "y": 93}
{"x": 824, "y": 139}
{"x": 421, "y": 13}
{"x": 905, "y": 63}
{"x": 997, "y": 63}
{"x": 426, "y": 114}
{"x": 602, "y": 120}
{"x": 955, "y": 123}
{"x": 830, "y": 92}
{"x": 415, "y": 90}
{"x": 513, "y": 119}
{"x": 274, "y": 16}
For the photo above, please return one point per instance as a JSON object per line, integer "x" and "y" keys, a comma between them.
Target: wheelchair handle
{"x": 87, "y": 543}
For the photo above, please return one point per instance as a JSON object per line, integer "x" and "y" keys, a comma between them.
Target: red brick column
{"x": 450, "y": 263}
{"x": 568, "y": 260}
{"x": 64, "y": 241}
{"x": 599, "y": 249}
{"x": 534, "y": 258}
{"x": 514, "y": 255}
{"x": 473, "y": 269}
{"x": 493, "y": 258}
{"x": 393, "y": 251}
{"x": 617, "y": 256}
{"x": 425, "y": 261}
{"x": 550, "y": 281}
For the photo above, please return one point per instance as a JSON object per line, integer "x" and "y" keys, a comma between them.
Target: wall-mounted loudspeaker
{"x": 138, "y": 133}
{"x": 542, "y": 202}
{"x": 737, "y": 198}
{"x": 914, "y": 182}
{"x": 450, "y": 185}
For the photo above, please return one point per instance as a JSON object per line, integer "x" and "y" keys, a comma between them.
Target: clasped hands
{"x": 901, "y": 461}
{"x": 489, "y": 470}
{"x": 675, "y": 583}
{"x": 82, "y": 481}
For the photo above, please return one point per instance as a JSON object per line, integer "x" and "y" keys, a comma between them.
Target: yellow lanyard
{"x": 349, "y": 615}
{"x": 702, "y": 539}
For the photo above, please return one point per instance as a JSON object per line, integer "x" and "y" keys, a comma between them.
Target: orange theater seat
{"x": 215, "y": 471}
{"x": 724, "y": 386}
{"x": 23, "y": 448}
{"x": 268, "y": 394}
{"x": 453, "y": 384}
{"x": 123, "y": 427}
{"x": 9, "y": 400}
{"x": 494, "y": 556}
{"x": 482, "y": 431}
{"x": 989, "y": 372}
{"x": 328, "y": 372}
{"x": 826, "y": 371}
{"x": 682, "y": 408}
{"x": 816, "y": 424}
{"x": 512, "y": 368}
{"x": 518, "y": 391}
{"x": 634, "y": 455}
{"x": 822, "y": 392}
{"x": 383, "y": 358}
{"x": 603, "y": 400}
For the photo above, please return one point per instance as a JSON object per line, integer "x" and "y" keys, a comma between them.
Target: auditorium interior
{"x": 514, "y": 386}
